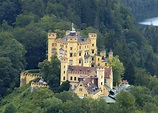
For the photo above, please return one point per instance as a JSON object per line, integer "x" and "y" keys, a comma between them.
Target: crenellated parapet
{"x": 27, "y": 76}
{"x": 85, "y": 42}
{"x": 38, "y": 84}
{"x": 34, "y": 75}
{"x": 51, "y": 35}
{"x": 100, "y": 68}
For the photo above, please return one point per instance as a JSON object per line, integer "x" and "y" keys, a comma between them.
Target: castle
{"x": 88, "y": 72}
{"x": 78, "y": 50}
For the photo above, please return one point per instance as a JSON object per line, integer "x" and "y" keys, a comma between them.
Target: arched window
{"x": 53, "y": 50}
{"x": 61, "y": 51}
{"x": 80, "y": 61}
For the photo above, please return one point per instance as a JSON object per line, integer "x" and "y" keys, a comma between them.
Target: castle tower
{"x": 109, "y": 80}
{"x": 72, "y": 46}
{"x": 103, "y": 54}
{"x": 51, "y": 44}
{"x": 100, "y": 75}
{"x": 63, "y": 72}
{"x": 93, "y": 48}
{"x": 110, "y": 55}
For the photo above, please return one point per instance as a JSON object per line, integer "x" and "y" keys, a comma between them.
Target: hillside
{"x": 44, "y": 100}
{"x": 23, "y": 44}
{"x": 21, "y": 100}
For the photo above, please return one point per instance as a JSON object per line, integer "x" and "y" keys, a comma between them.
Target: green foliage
{"x": 65, "y": 86}
{"x": 118, "y": 69}
{"x": 10, "y": 109}
{"x": 67, "y": 95}
{"x": 9, "y": 10}
{"x": 52, "y": 105}
{"x": 126, "y": 101}
{"x": 12, "y": 62}
{"x": 51, "y": 72}
{"x": 34, "y": 40}
{"x": 129, "y": 73}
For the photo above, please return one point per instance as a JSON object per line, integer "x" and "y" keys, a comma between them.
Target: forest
{"x": 23, "y": 44}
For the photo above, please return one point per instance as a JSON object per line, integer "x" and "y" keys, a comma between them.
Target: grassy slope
{"x": 24, "y": 100}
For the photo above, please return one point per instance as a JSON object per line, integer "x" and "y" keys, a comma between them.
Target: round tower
{"x": 110, "y": 54}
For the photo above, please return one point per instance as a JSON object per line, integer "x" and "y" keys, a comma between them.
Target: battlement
{"x": 100, "y": 68}
{"x": 28, "y": 75}
{"x": 72, "y": 39}
{"x": 85, "y": 42}
{"x": 51, "y": 35}
{"x": 31, "y": 73}
{"x": 38, "y": 84}
{"x": 92, "y": 35}
{"x": 61, "y": 41}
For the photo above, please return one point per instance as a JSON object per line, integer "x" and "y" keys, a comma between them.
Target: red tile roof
{"x": 88, "y": 70}
{"x": 90, "y": 85}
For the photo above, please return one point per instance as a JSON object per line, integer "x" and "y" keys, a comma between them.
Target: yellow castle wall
{"x": 81, "y": 90}
{"x": 74, "y": 47}
{"x": 25, "y": 78}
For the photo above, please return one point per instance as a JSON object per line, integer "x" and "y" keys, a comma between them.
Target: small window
{"x": 102, "y": 57}
{"x": 63, "y": 78}
{"x": 64, "y": 72}
{"x": 60, "y": 57}
{"x": 80, "y": 61}
{"x": 70, "y": 48}
{"x": 64, "y": 66}
{"x": 98, "y": 64}
{"x": 53, "y": 50}
{"x": 61, "y": 51}
{"x": 85, "y": 95}
{"x": 80, "y": 84}
{"x": 70, "y": 54}
{"x": 80, "y": 89}
{"x": 70, "y": 62}
{"x": 52, "y": 44}
{"x": 74, "y": 78}
{"x": 98, "y": 59}
{"x": 101, "y": 83}
{"x": 93, "y": 51}
{"x": 92, "y": 58}
{"x": 70, "y": 78}
{"x": 105, "y": 64}
{"x": 79, "y": 53}
{"x": 92, "y": 44}
{"x": 104, "y": 80}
